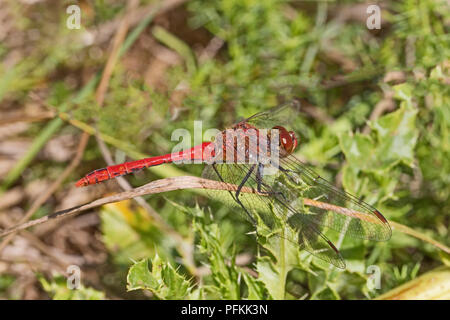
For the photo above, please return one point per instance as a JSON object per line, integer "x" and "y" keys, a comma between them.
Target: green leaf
{"x": 273, "y": 272}
{"x": 270, "y": 276}
{"x": 397, "y": 136}
{"x": 222, "y": 264}
{"x": 358, "y": 149}
{"x": 395, "y": 139}
{"x": 404, "y": 92}
{"x": 256, "y": 289}
{"x": 162, "y": 280}
{"x": 319, "y": 287}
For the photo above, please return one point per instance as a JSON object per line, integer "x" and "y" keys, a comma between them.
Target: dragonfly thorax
{"x": 245, "y": 143}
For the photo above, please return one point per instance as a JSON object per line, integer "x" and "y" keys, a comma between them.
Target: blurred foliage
{"x": 273, "y": 51}
{"x": 58, "y": 289}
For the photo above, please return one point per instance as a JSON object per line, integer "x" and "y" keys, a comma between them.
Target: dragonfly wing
{"x": 280, "y": 115}
{"x": 235, "y": 174}
{"x": 270, "y": 202}
{"x": 314, "y": 241}
{"x": 330, "y": 207}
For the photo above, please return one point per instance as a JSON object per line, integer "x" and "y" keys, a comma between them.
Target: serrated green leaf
{"x": 256, "y": 290}
{"x": 139, "y": 277}
{"x": 270, "y": 277}
{"x": 162, "y": 280}
{"x": 225, "y": 275}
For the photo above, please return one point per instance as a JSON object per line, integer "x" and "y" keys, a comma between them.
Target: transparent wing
{"x": 280, "y": 115}
{"x": 330, "y": 207}
{"x": 271, "y": 206}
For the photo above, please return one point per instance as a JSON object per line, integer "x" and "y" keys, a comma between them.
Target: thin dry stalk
{"x": 158, "y": 186}
{"x": 188, "y": 182}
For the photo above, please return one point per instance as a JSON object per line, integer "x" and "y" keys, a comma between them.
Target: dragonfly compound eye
{"x": 286, "y": 140}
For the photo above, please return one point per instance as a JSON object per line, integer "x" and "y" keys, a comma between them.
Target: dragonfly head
{"x": 288, "y": 140}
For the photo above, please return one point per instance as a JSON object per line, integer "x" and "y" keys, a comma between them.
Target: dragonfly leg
{"x": 236, "y": 195}
{"x": 241, "y": 185}
{"x": 286, "y": 171}
{"x": 313, "y": 180}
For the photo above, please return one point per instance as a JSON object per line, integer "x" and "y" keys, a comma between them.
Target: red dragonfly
{"x": 286, "y": 193}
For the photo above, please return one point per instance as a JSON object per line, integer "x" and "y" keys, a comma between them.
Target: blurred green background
{"x": 375, "y": 121}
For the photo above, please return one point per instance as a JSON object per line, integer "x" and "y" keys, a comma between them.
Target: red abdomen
{"x": 133, "y": 166}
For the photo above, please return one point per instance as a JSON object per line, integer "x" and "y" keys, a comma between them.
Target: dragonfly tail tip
{"x": 81, "y": 183}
